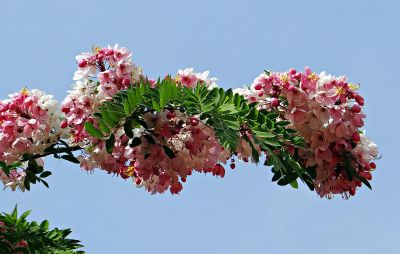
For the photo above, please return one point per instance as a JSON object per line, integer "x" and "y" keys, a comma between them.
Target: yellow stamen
{"x": 96, "y": 49}
{"x": 24, "y": 91}
{"x": 353, "y": 86}
{"x": 129, "y": 171}
{"x": 313, "y": 77}
{"x": 340, "y": 90}
{"x": 284, "y": 78}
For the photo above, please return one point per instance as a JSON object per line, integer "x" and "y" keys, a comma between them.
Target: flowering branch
{"x": 157, "y": 132}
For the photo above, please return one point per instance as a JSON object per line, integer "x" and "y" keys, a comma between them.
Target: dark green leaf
{"x": 45, "y": 174}
{"x": 45, "y": 183}
{"x": 70, "y": 158}
{"x": 110, "y": 143}
{"x": 128, "y": 126}
{"x": 287, "y": 179}
{"x": 365, "y": 181}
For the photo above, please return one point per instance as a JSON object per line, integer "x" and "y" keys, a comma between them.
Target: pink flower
{"x": 107, "y": 91}
{"x": 106, "y": 77}
{"x": 298, "y": 116}
{"x": 187, "y": 78}
{"x": 21, "y": 145}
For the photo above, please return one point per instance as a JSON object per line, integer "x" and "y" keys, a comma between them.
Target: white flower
{"x": 324, "y": 79}
{"x": 366, "y": 149}
{"x": 210, "y": 82}
{"x": 45, "y": 101}
{"x": 186, "y": 72}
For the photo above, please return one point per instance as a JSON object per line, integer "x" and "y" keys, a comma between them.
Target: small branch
{"x": 56, "y": 151}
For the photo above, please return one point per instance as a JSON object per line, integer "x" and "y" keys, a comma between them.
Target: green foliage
{"x": 17, "y": 235}
{"x": 35, "y": 173}
{"x": 217, "y": 109}
{"x": 286, "y": 170}
{"x": 230, "y": 115}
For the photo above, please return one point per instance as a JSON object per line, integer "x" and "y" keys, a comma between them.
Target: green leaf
{"x": 271, "y": 142}
{"x": 25, "y": 214}
{"x": 45, "y": 174}
{"x": 45, "y": 183}
{"x": 44, "y": 225}
{"x": 310, "y": 183}
{"x": 107, "y": 119}
{"x": 364, "y": 181}
{"x": 110, "y": 143}
{"x": 103, "y": 126}
{"x": 282, "y": 123}
{"x": 168, "y": 92}
{"x": 156, "y": 105}
{"x": 128, "y": 126}
{"x": 254, "y": 151}
{"x": 264, "y": 134}
{"x": 70, "y": 158}
{"x": 5, "y": 168}
{"x": 127, "y": 108}
{"x": 276, "y": 176}
{"x": 294, "y": 184}
{"x": 27, "y": 184}
{"x": 287, "y": 179}
{"x": 272, "y": 115}
{"x": 115, "y": 116}
{"x": 93, "y": 131}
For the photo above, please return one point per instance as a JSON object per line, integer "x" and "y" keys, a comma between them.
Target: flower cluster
{"x": 189, "y": 78}
{"x": 327, "y": 112}
{"x": 179, "y": 144}
{"x": 114, "y": 70}
{"x": 150, "y": 163}
{"x": 29, "y": 123}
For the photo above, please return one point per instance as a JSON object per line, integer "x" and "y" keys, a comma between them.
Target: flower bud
{"x": 356, "y": 137}
{"x": 258, "y": 87}
{"x": 82, "y": 63}
{"x": 356, "y": 108}
{"x": 274, "y": 102}
{"x": 64, "y": 124}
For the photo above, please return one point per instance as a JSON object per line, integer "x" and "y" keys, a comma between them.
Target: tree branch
{"x": 55, "y": 151}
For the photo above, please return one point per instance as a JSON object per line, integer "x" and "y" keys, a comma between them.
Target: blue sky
{"x": 235, "y": 40}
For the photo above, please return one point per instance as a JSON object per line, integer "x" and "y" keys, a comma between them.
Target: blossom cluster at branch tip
{"x": 327, "y": 112}
{"x": 29, "y": 123}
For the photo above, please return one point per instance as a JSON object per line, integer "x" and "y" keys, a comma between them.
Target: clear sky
{"x": 235, "y": 40}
